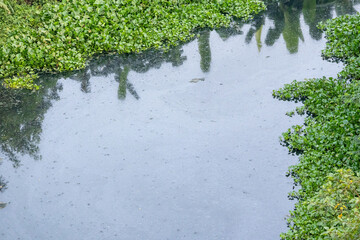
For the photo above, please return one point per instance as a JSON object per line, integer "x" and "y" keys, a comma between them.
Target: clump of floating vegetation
{"x": 62, "y": 36}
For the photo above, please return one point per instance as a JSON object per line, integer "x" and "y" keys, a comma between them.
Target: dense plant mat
{"x": 328, "y": 140}
{"x": 343, "y": 35}
{"x": 62, "y": 36}
{"x": 332, "y": 213}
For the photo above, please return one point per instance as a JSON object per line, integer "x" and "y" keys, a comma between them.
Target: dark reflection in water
{"x": 21, "y": 116}
{"x": 22, "y": 113}
{"x": 286, "y": 15}
{"x": 204, "y": 50}
{"x": 121, "y": 65}
{"x": 3, "y": 184}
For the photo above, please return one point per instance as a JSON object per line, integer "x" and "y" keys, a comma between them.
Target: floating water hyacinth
{"x": 62, "y": 36}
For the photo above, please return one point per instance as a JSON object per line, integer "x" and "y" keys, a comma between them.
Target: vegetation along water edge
{"x": 61, "y": 36}
{"x": 51, "y": 36}
{"x": 328, "y": 143}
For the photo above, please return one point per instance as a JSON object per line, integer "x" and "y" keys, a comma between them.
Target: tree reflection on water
{"x": 285, "y": 17}
{"x": 22, "y": 113}
{"x": 204, "y": 50}
{"x": 21, "y": 117}
{"x": 121, "y": 65}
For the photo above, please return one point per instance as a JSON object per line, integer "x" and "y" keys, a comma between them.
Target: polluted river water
{"x": 176, "y": 145}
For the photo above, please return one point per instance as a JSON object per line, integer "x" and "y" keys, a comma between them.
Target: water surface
{"x": 175, "y": 145}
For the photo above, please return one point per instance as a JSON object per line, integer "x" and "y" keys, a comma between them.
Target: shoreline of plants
{"x": 328, "y": 142}
{"x": 63, "y": 36}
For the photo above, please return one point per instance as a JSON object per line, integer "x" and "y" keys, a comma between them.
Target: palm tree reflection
{"x": 3, "y": 184}
{"x": 255, "y": 25}
{"x": 292, "y": 31}
{"x": 204, "y": 50}
{"x": 121, "y": 76}
{"x": 83, "y": 76}
{"x": 344, "y": 7}
{"x": 285, "y": 16}
{"x": 122, "y": 65}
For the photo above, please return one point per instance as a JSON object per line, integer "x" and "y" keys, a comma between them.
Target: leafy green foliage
{"x": 326, "y": 140}
{"x": 332, "y": 213}
{"x": 343, "y": 35}
{"x": 328, "y": 206}
{"x": 25, "y": 82}
{"x": 5, "y": 7}
{"x": 63, "y": 36}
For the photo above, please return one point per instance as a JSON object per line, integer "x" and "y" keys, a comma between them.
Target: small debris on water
{"x": 195, "y": 80}
{"x": 2, "y": 205}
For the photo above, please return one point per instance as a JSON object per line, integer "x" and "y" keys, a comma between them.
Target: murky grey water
{"x": 182, "y": 145}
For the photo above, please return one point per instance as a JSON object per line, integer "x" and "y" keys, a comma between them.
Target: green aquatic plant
{"x": 63, "y": 36}
{"x": 328, "y": 206}
{"x": 326, "y": 138}
{"x": 22, "y": 82}
{"x": 332, "y": 213}
{"x": 343, "y": 41}
{"x": 5, "y": 7}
